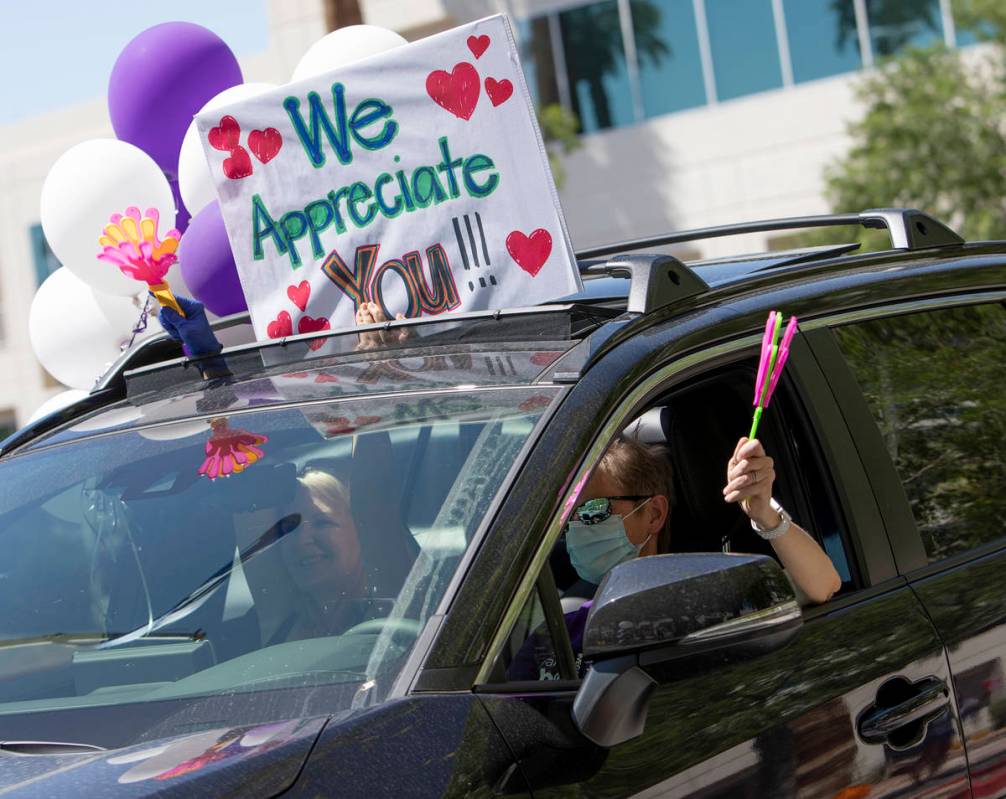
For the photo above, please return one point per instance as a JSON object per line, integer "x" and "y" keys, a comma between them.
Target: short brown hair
{"x": 639, "y": 468}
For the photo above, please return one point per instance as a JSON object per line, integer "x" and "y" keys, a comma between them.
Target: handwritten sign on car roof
{"x": 416, "y": 179}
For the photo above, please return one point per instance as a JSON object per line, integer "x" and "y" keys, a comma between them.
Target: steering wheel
{"x": 396, "y": 624}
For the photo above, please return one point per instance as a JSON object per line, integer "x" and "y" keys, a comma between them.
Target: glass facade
{"x": 670, "y": 63}
{"x": 822, "y": 37}
{"x": 742, "y": 41}
{"x": 594, "y": 52}
{"x": 903, "y": 23}
{"x": 44, "y": 259}
{"x": 618, "y": 62}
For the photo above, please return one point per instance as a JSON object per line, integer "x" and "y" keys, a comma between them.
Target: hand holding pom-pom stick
{"x": 229, "y": 450}
{"x": 773, "y": 359}
{"x": 130, "y": 242}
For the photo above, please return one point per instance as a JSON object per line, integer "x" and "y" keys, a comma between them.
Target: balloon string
{"x": 139, "y": 327}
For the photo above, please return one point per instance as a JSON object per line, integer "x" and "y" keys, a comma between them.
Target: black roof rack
{"x": 910, "y": 229}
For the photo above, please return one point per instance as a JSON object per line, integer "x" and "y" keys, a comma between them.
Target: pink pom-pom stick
{"x": 781, "y": 358}
{"x": 766, "y": 353}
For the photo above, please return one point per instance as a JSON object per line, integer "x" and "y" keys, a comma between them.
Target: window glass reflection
{"x": 743, "y": 44}
{"x": 538, "y": 61}
{"x": 667, "y": 46}
{"x": 896, "y": 24}
{"x": 595, "y": 63}
{"x": 822, "y": 38}
{"x": 933, "y": 382}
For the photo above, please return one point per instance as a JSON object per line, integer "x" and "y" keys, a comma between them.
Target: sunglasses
{"x": 594, "y": 511}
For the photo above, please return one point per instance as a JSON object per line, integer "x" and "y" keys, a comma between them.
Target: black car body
{"x": 469, "y": 441}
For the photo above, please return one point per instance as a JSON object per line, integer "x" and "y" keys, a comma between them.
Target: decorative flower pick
{"x": 229, "y": 450}
{"x": 130, "y": 242}
{"x": 773, "y": 359}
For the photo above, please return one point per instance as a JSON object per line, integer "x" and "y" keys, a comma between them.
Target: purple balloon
{"x": 207, "y": 263}
{"x": 182, "y": 215}
{"x": 160, "y": 81}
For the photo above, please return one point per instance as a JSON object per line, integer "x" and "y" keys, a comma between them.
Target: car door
{"x": 790, "y": 722}
{"x": 931, "y": 410}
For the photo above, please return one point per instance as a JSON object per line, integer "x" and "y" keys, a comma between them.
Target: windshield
{"x": 240, "y": 568}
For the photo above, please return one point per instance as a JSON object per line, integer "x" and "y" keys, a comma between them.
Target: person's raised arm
{"x": 750, "y": 475}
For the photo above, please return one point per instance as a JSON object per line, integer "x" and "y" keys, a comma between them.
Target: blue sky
{"x": 60, "y": 52}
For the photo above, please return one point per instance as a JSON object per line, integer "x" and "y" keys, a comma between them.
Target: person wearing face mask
{"x": 624, "y": 513}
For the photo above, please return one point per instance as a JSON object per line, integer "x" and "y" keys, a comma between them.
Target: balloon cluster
{"x": 103, "y": 199}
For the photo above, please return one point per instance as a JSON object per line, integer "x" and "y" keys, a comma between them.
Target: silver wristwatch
{"x": 768, "y": 533}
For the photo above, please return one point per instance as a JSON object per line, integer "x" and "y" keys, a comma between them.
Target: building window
{"x": 896, "y": 24}
{"x": 45, "y": 261}
{"x": 595, "y": 62}
{"x": 822, "y": 36}
{"x": 538, "y": 60}
{"x": 744, "y": 48}
{"x": 667, "y": 47}
{"x": 8, "y": 423}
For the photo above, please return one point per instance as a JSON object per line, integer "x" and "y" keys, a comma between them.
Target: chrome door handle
{"x": 930, "y": 698}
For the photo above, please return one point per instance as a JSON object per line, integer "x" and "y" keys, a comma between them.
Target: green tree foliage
{"x": 558, "y": 128}
{"x": 932, "y": 135}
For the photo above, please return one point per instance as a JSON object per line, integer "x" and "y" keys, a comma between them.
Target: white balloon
{"x": 195, "y": 181}
{"x": 87, "y": 184}
{"x": 77, "y": 332}
{"x": 56, "y": 402}
{"x": 343, "y": 46}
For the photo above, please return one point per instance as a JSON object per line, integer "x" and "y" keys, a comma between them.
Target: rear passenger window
{"x": 934, "y": 384}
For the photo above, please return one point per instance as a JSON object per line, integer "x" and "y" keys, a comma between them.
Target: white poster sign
{"x": 415, "y": 178}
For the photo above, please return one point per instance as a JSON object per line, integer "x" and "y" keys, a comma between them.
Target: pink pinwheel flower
{"x": 230, "y": 451}
{"x": 130, "y": 242}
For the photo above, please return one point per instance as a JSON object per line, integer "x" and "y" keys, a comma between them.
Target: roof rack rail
{"x": 655, "y": 280}
{"x": 910, "y": 229}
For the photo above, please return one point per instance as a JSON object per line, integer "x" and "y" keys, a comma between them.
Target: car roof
{"x": 500, "y": 347}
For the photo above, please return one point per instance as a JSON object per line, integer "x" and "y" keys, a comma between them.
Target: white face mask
{"x": 595, "y": 549}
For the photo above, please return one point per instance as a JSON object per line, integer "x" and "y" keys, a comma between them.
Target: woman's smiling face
{"x": 323, "y": 554}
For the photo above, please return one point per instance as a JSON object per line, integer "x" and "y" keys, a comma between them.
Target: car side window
{"x": 933, "y": 382}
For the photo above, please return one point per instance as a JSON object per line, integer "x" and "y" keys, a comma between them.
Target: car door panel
{"x": 783, "y": 724}
{"x": 418, "y": 746}
{"x": 968, "y": 607}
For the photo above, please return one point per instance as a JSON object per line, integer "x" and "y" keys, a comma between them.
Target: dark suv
{"x": 311, "y": 578}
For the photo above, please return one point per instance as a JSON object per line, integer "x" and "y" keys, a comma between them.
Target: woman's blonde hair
{"x": 329, "y": 491}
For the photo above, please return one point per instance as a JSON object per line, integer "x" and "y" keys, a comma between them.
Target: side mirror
{"x": 657, "y": 609}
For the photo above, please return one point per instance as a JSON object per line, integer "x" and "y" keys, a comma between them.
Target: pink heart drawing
{"x": 308, "y": 325}
{"x": 238, "y": 165}
{"x": 325, "y": 377}
{"x": 530, "y": 252}
{"x": 456, "y": 91}
{"x": 225, "y": 136}
{"x": 280, "y": 327}
{"x": 478, "y": 45}
{"x": 499, "y": 91}
{"x": 299, "y": 294}
{"x": 265, "y": 144}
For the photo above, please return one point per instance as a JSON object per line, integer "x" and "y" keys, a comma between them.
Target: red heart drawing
{"x": 226, "y": 136}
{"x": 298, "y": 375}
{"x": 456, "y": 91}
{"x": 308, "y": 325}
{"x": 324, "y": 377}
{"x": 280, "y": 327}
{"x": 544, "y": 358}
{"x": 265, "y": 144}
{"x": 499, "y": 91}
{"x": 478, "y": 45}
{"x": 360, "y": 421}
{"x": 299, "y": 294}
{"x": 239, "y": 165}
{"x": 535, "y": 403}
{"x": 337, "y": 426}
{"x": 530, "y": 252}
